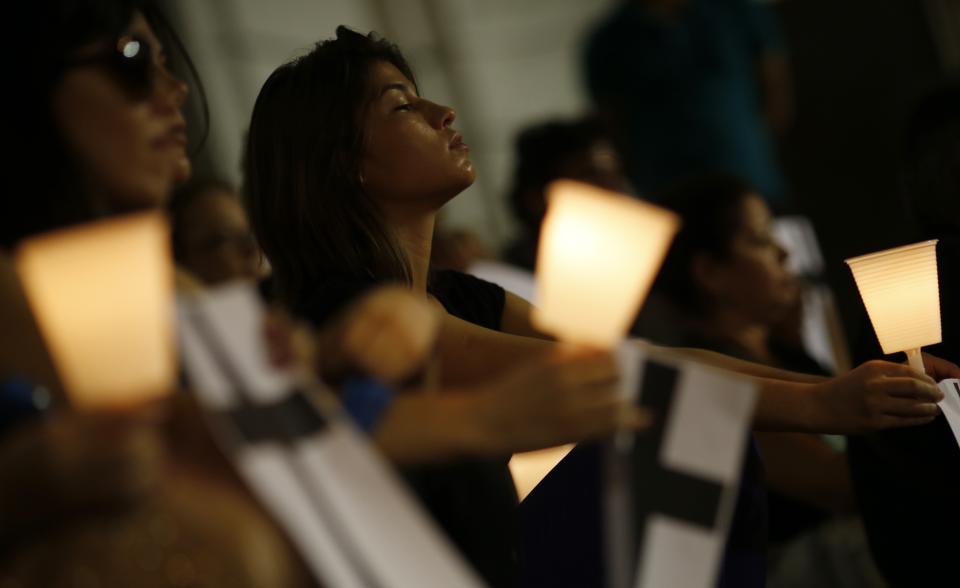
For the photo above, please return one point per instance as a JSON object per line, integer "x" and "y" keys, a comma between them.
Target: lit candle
{"x": 102, "y": 294}
{"x": 599, "y": 253}
{"x": 900, "y": 290}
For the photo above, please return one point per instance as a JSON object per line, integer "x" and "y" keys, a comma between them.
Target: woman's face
{"x": 130, "y": 151}
{"x": 752, "y": 280}
{"x": 218, "y": 245}
{"x": 413, "y": 157}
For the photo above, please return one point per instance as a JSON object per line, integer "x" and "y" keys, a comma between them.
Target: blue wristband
{"x": 20, "y": 401}
{"x": 366, "y": 400}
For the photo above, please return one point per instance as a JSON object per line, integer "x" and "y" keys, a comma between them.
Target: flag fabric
{"x": 671, "y": 490}
{"x": 351, "y": 518}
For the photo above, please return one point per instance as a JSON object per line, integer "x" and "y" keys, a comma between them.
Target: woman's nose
{"x": 782, "y": 254}
{"x": 444, "y": 116}
{"x": 171, "y": 90}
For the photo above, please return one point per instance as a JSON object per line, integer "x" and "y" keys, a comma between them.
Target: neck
{"x": 731, "y": 326}
{"x": 414, "y": 233}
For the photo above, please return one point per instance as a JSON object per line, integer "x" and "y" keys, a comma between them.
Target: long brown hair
{"x": 302, "y": 184}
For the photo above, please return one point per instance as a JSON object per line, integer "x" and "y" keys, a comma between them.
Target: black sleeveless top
{"x": 473, "y": 500}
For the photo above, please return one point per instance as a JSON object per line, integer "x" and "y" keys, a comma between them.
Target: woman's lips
{"x": 176, "y": 137}
{"x": 457, "y": 142}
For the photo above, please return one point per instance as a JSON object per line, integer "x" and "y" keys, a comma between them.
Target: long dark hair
{"x": 709, "y": 207}
{"x": 302, "y": 184}
{"x": 44, "y": 191}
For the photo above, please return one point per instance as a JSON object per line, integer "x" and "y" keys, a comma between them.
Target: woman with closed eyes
{"x": 346, "y": 167}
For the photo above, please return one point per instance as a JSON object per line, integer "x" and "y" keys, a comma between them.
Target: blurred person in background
{"x": 919, "y": 466}
{"x": 575, "y": 149}
{"x": 578, "y": 149}
{"x": 693, "y": 86}
{"x": 211, "y": 234}
{"x": 726, "y": 274}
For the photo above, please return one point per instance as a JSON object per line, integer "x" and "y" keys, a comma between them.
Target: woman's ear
{"x": 706, "y": 274}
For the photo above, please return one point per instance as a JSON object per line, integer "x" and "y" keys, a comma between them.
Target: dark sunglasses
{"x": 130, "y": 61}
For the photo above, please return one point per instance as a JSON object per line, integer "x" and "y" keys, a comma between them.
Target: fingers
{"x": 905, "y": 407}
{"x": 135, "y": 464}
{"x": 390, "y": 333}
{"x": 940, "y": 369}
{"x": 389, "y": 356}
{"x": 101, "y": 457}
{"x": 896, "y": 370}
{"x": 633, "y": 418}
{"x": 891, "y": 422}
{"x": 908, "y": 387}
{"x": 390, "y": 350}
{"x": 613, "y": 417}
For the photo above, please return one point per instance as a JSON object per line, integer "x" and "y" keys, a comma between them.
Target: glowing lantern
{"x": 103, "y": 297}
{"x": 599, "y": 253}
{"x": 900, "y": 290}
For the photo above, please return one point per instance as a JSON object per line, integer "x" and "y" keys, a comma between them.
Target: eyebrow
{"x": 396, "y": 86}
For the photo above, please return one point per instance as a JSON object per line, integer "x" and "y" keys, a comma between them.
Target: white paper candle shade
{"x": 103, "y": 297}
{"x": 599, "y": 253}
{"x": 900, "y": 290}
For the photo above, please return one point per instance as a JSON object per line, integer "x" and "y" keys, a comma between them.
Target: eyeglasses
{"x": 130, "y": 61}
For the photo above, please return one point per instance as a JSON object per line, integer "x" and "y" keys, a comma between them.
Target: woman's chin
{"x": 182, "y": 171}
{"x": 469, "y": 175}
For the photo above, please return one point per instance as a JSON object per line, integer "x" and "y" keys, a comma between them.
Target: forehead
{"x": 139, "y": 27}
{"x": 755, "y": 211}
{"x": 213, "y": 208}
{"x": 386, "y": 77}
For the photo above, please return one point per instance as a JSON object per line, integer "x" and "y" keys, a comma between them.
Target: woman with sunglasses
{"x": 346, "y": 167}
{"x": 103, "y": 116}
{"x": 111, "y": 498}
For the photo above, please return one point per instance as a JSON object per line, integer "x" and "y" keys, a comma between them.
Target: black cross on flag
{"x": 672, "y": 489}
{"x": 648, "y": 510}
{"x": 665, "y": 491}
{"x": 352, "y": 520}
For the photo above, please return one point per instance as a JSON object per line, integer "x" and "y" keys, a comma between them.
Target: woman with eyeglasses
{"x": 346, "y": 167}
{"x": 212, "y": 238}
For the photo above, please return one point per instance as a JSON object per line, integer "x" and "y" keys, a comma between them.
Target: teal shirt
{"x": 688, "y": 91}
